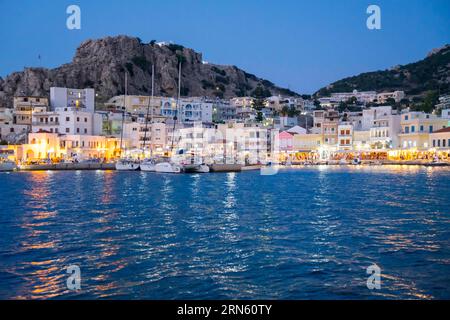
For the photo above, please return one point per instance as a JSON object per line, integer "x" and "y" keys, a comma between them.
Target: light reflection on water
{"x": 303, "y": 233}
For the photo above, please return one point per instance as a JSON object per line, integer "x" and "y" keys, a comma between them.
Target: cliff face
{"x": 101, "y": 64}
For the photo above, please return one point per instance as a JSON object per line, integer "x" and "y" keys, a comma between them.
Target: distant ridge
{"x": 416, "y": 79}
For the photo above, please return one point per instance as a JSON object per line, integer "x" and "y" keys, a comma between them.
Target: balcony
{"x": 34, "y": 123}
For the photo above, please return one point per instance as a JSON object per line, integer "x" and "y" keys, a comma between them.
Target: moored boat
{"x": 148, "y": 165}
{"x": 268, "y": 170}
{"x": 195, "y": 168}
{"x": 127, "y": 165}
{"x": 167, "y": 167}
{"x": 7, "y": 165}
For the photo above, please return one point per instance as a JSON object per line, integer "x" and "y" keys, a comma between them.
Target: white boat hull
{"x": 203, "y": 168}
{"x": 268, "y": 170}
{"x": 166, "y": 167}
{"x": 7, "y": 166}
{"x": 196, "y": 168}
{"x": 148, "y": 167}
{"x": 127, "y": 166}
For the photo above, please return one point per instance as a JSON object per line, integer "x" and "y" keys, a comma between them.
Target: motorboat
{"x": 167, "y": 167}
{"x": 343, "y": 161}
{"x": 268, "y": 170}
{"x": 356, "y": 161}
{"x": 202, "y": 168}
{"x": 7, "y": 165}
{"x": 127, "y": 165}
{"x": 148, "y": 165}
{"x": 195, "y": 168}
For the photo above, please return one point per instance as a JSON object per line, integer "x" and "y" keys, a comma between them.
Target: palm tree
{"x": 284, "y": 111}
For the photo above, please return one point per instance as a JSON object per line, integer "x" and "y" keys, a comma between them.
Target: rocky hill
{"x": 101, "y": 64}
{"x": 416, "y": 79}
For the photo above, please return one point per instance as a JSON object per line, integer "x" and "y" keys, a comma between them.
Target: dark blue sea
{"x": 307, "y": 233}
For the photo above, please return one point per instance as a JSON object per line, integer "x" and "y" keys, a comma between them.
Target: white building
{"x": 81, "y": 99}
{"x": 444, "y": 103}
{"x": 136, "y": 132}
{"x": 345, "y": 136}
{"x": 286, "y": 122}
{"x": 189, "y": 109}
{"x": 361, "y": 96}
{"x": 195, "y": 109}
{"x": 445, "y": 114}
{"x": 385, "y": 96}
{"x": 65, "y": 120}
{"x": 223, "y": 110}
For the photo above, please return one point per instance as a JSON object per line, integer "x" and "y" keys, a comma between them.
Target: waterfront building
{"x": 385, "y": 129}
{"x": 245, "y": 142}
{"x": 286, "y": 141}
{"x": 136, "y": 132}
{"x": 373, "y": 113}
{"x": 24, "y": 106}
{"x": 361, "y": 140}
{"x": 307, "y": 142}
{"x": 67, "y": 120}
{"x": 52, "y": 146}
{"x": 440, "y": 139}
{"x": 79, "y": 99}
{"x": 330, "y": 128}
{"x": 416, "y": 128}
{"x": 318, "y": 119}
{"x": 6, "y": 122}
{"x": 345, "y": 136}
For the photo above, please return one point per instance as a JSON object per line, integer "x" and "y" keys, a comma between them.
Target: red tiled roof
{"x": 442, "y": 130}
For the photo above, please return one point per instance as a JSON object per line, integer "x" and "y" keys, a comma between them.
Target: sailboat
{"x": 149, "y": 164}
{"x": 168, "y": 166}
{"x": 125, "y": 164}
{"x": 195, "y": 166}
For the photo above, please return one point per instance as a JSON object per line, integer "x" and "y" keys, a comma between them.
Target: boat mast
{"x": 179, "y": 93}
{"x": 123, "y": 113}
{"x": 177, "y": 118}
{"x": 148, "y": 111}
